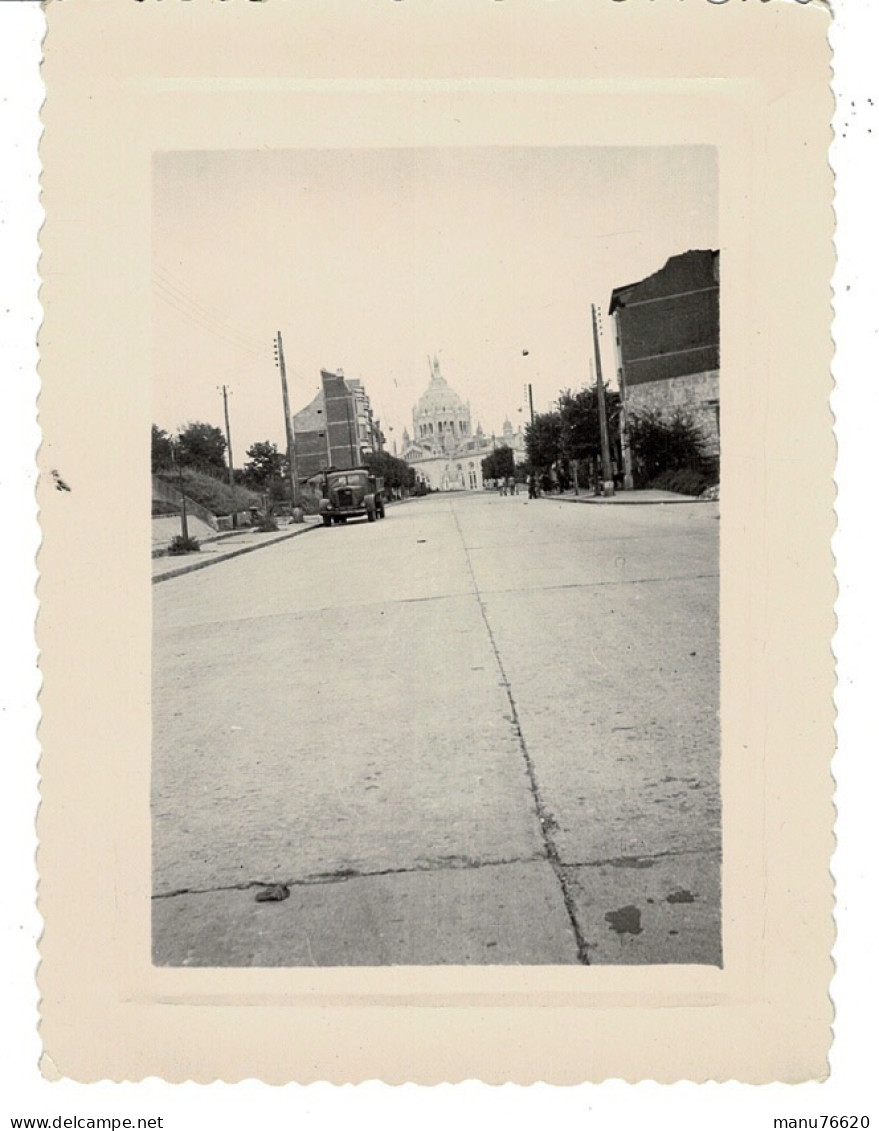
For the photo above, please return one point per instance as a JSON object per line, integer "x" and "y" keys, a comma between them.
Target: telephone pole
{"x": 228, "y": 435}
{"x": 288, "y": 428}
{"x": 229, "y": 448}
{"x": 175, "y": 455}
{"x": 607, "y": 487}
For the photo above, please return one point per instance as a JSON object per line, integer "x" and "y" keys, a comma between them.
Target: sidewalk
{"x": 629, "y": 498}
{"x": 228, "y": 546}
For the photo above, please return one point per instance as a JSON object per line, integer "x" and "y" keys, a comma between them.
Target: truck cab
{"x": 351, "y": 493}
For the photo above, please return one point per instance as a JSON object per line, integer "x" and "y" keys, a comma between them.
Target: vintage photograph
{"x": 435, "y": 524}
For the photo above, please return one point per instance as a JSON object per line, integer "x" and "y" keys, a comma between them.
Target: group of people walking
{"x": 509, "y": 485}
{"x": 537, "y": 485}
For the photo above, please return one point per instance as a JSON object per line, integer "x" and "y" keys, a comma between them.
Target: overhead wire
{"x": 204, "y": 325}
{"x": 188, "y": 308}
{"x": 172, "y": 286}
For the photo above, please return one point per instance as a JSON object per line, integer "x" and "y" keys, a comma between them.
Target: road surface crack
{"x": 440, "y": 864}
{"x": 642, "y": 859}
{"x": 548, "y": 824}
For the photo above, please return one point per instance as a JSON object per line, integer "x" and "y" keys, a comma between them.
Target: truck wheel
{"x": 343, "y": 518}
{"x": 327, "y": 520}
{"x": 380, "y": 509}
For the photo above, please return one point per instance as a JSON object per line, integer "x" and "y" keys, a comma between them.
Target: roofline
{"x": 617, "y": 293}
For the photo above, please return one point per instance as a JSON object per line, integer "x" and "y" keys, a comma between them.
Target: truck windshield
{"x": 348, "y": 481}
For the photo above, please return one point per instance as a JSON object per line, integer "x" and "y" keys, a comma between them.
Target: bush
{"x": 685, "y": 481}
{"x": 181, "y": 545}
{"x": 213, "y": 494}
{"x": 665, "y": 444}
{"x": 310, "y": 497}
{"x": 266, "y": 524}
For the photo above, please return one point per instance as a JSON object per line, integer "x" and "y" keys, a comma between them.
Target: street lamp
{"x": 529, "y": 394}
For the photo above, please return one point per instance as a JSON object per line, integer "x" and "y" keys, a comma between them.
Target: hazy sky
{"x": 370, "y": 260}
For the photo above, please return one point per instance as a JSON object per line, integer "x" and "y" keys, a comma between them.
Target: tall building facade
{"x": 337, "y": 429}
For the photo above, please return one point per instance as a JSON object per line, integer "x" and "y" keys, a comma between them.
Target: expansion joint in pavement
{"x": 545, "y": 818}
{"x": 643, "y": 860}
{"x": 445, "y": 863}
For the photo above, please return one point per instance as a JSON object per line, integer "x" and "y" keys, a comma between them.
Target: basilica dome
{"x": 440, "y": 415}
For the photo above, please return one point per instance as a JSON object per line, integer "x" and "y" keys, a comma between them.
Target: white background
{"x": 851, "y": 1088}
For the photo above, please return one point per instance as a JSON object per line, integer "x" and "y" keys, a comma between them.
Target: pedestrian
{"x": 532, "y": 486}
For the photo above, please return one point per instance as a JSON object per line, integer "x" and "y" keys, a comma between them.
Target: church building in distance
{"x": 443, "y": 449}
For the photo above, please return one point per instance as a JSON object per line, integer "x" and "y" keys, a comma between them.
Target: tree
{"x": 162, "y": 454}
{"x": 397, "y": 474}
{"x": 543, "y": 440}
{"x": 202, "y": 446}
{"x": 581, "y": 427}
{"x": 665, "y": 443}
{"x": 499, "y": 464}
{"x": 265, "y": 466}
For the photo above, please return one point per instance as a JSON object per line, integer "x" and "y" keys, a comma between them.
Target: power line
{"x": 202, "y": 324}
{"x": 179, "y": 291}
{"x": 207, "y": 321}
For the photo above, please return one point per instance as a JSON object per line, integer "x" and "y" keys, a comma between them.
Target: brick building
{"x": 337, "y": 428}
{"x": 668, "y": 341}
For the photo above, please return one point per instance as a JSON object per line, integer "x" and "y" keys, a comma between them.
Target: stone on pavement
{"x": 507, "y": 915}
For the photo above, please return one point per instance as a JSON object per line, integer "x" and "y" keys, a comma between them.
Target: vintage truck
{"x": 351, "y": 493}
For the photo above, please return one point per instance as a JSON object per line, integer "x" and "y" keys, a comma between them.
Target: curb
{"x": 163, "y": 552}
{"x": 193, "y": 566}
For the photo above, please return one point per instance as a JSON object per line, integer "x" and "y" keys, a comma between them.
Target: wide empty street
{"x": 481, "y": 731}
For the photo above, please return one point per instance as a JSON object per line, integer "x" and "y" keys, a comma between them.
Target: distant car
{"x": 351, "y": 494}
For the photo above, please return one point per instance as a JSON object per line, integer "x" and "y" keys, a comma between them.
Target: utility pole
{"x": 229, "y": 449}
{"x": 607, "y": 487}
{"x": 228, "y": 435}
{"x": 184, "y": 526}
{"x": 288, "y": 427}
{"x": 625, "y": 441}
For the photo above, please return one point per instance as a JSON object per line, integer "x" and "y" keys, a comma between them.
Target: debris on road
{"x": 277, "y": 893}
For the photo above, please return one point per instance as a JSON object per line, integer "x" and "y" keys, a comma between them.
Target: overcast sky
{"x": 370, "y": 260}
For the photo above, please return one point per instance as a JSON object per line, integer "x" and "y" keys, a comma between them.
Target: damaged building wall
{"x": 668, "y": 341}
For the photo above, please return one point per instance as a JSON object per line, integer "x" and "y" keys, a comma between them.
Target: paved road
{"x": 481, "y": 731}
